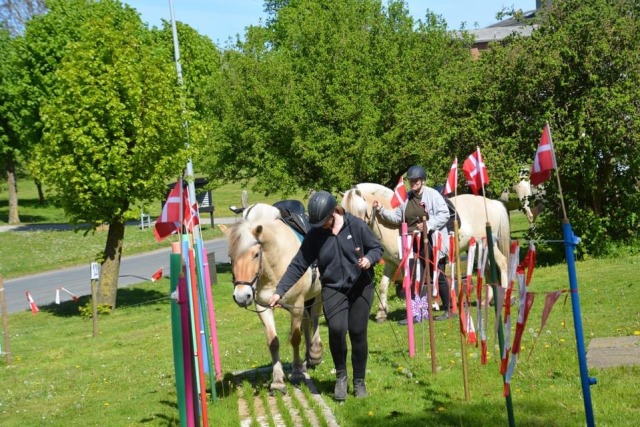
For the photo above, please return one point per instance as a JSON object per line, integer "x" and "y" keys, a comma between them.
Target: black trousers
{"x": 347, "y": 310}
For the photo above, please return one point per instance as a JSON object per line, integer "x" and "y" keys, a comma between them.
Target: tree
{"x": 112, "y": 123}
{"x": 9, "y": 134}
{"x": 331, "y": 93}
{"x": 580, "y": 71}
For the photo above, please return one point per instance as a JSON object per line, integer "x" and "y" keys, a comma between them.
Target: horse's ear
{"x": 223, "y": 228}
{"x": 257, "y": 230}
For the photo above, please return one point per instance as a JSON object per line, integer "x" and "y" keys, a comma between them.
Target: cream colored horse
{"x": 260, "y": 251}
{"x": 471, "y": 210}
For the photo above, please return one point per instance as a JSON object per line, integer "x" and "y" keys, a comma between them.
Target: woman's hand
{"x": 364, "y": 263}
{"x": 273, "y": 301}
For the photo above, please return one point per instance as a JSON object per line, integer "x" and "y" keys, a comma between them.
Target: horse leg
{"x": 277, "y": 383}
{"x": 383, "y": 294}
{"x": 295, "y": 338}
{"x": 312, "y": 332}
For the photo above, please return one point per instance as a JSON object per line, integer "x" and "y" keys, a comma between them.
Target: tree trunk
{"x": 12, "y": 186}
{"x": 110, "y": 269}
{"x": 41, "y": 199}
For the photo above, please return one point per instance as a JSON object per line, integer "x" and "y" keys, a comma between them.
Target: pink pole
{"x": 406, "y": 284}
{"x": 186, "y": 351}
{"x": 212, "y": 316}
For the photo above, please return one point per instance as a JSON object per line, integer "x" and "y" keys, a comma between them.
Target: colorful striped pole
{"x": 211, "y": 311}
{"x": 406, "y": 283}
{"x": 176, "y": 333}
{"x": 494, "y": 280}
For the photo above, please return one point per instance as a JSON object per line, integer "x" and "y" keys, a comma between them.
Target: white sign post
{"x": 95, "y": 276}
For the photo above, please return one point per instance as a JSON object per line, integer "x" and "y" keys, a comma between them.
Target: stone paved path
{"x": 270, "y": 415}
{"x": 613, "y": 351}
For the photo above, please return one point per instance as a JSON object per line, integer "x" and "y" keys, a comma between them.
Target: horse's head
{"x": 245, "y": 252}
{"x": 355, "y": 202}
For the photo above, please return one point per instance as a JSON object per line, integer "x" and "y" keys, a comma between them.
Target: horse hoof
{"x": 281, "y": 388}
{"x": 297, "y": 378}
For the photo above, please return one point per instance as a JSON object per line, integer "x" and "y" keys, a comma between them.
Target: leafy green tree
{"x": 580, "y": 72}
{"x": 9, "y": 130}
{"x": 331, "y": 93}
{"x": 111, "y": 120}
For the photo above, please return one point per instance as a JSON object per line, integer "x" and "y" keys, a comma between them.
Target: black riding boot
{"x": 342, "y": 381}
{"x": 359, "y": 388}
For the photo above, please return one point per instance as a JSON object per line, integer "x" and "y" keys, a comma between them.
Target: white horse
{"x": 527, "y": 196}
{"x": 260, "y": 249}
{"x": 473, "y": 221}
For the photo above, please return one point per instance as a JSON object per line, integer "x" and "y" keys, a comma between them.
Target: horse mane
{"x": 260, "y": 211}
{"x": 358, "y": 199}
{"x": 382, "y": 193}
{"x": 240, "y": 238}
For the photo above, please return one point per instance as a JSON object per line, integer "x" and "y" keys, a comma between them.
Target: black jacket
{"x": 336, "y": 255}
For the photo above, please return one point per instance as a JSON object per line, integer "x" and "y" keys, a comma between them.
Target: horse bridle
{"x": 254, "y": 282}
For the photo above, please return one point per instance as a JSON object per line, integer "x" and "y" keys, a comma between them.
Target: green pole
{"x": 494, "y": 280}
{"x": 176, "y": 333}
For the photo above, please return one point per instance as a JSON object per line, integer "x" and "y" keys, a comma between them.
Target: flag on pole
{"x": 544, "y": 160}
{"x": 32, "y": 303}
{"x": 157, "y": 275}
{"x": 191, "y": 218}
{"x": 169, "y": 221}
{"x": 399, "y": 194}
{"x": 452, "y": 179}
{"x": 475, "y": 171}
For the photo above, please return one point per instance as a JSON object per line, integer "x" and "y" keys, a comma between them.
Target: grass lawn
{"x": 60, "y": 375}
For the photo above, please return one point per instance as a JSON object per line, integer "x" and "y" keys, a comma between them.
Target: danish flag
{"x": 545, "y": 159}
{"x": 399, "y": 194}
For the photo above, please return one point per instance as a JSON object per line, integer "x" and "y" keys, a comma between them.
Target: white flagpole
{"x": 189, "y": 175}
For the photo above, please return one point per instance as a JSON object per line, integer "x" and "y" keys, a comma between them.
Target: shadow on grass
{"x": 126, "y": 297}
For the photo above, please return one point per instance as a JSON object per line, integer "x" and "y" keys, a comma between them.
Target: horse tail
{"x": 504, "y": 230}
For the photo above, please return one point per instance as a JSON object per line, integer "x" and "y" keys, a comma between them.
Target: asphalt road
{"x": 77, "y": 280}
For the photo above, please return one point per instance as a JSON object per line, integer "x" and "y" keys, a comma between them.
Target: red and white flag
{"x": 171, "y": 217}
{"x": 191, "y": 217}
{"x": 452, "y": 179}
{"x": 475, "y": 171}
{"x": 157, "y": 275}
{"x": 545, "y": 159}
{"x": 399, "y": 194}
{"x": 32, "y": 303}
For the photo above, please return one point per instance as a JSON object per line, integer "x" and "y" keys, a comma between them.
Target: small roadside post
{"x": 95, "y": 275}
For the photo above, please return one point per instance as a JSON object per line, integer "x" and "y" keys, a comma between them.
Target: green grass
{"x": 62, "y": 376}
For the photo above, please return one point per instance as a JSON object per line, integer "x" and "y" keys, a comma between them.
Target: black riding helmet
{"x": 416, "y": 172}
{"x": 321, "y": 206}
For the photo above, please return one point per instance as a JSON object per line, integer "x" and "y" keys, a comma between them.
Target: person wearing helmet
{"x": 424, "y": 201}
{"x": 346, "y": 251}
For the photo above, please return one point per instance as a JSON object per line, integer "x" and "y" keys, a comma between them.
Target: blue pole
{"x": 570, "y": 243}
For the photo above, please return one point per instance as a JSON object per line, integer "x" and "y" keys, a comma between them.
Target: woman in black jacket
{"x": 346, "y": 251}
